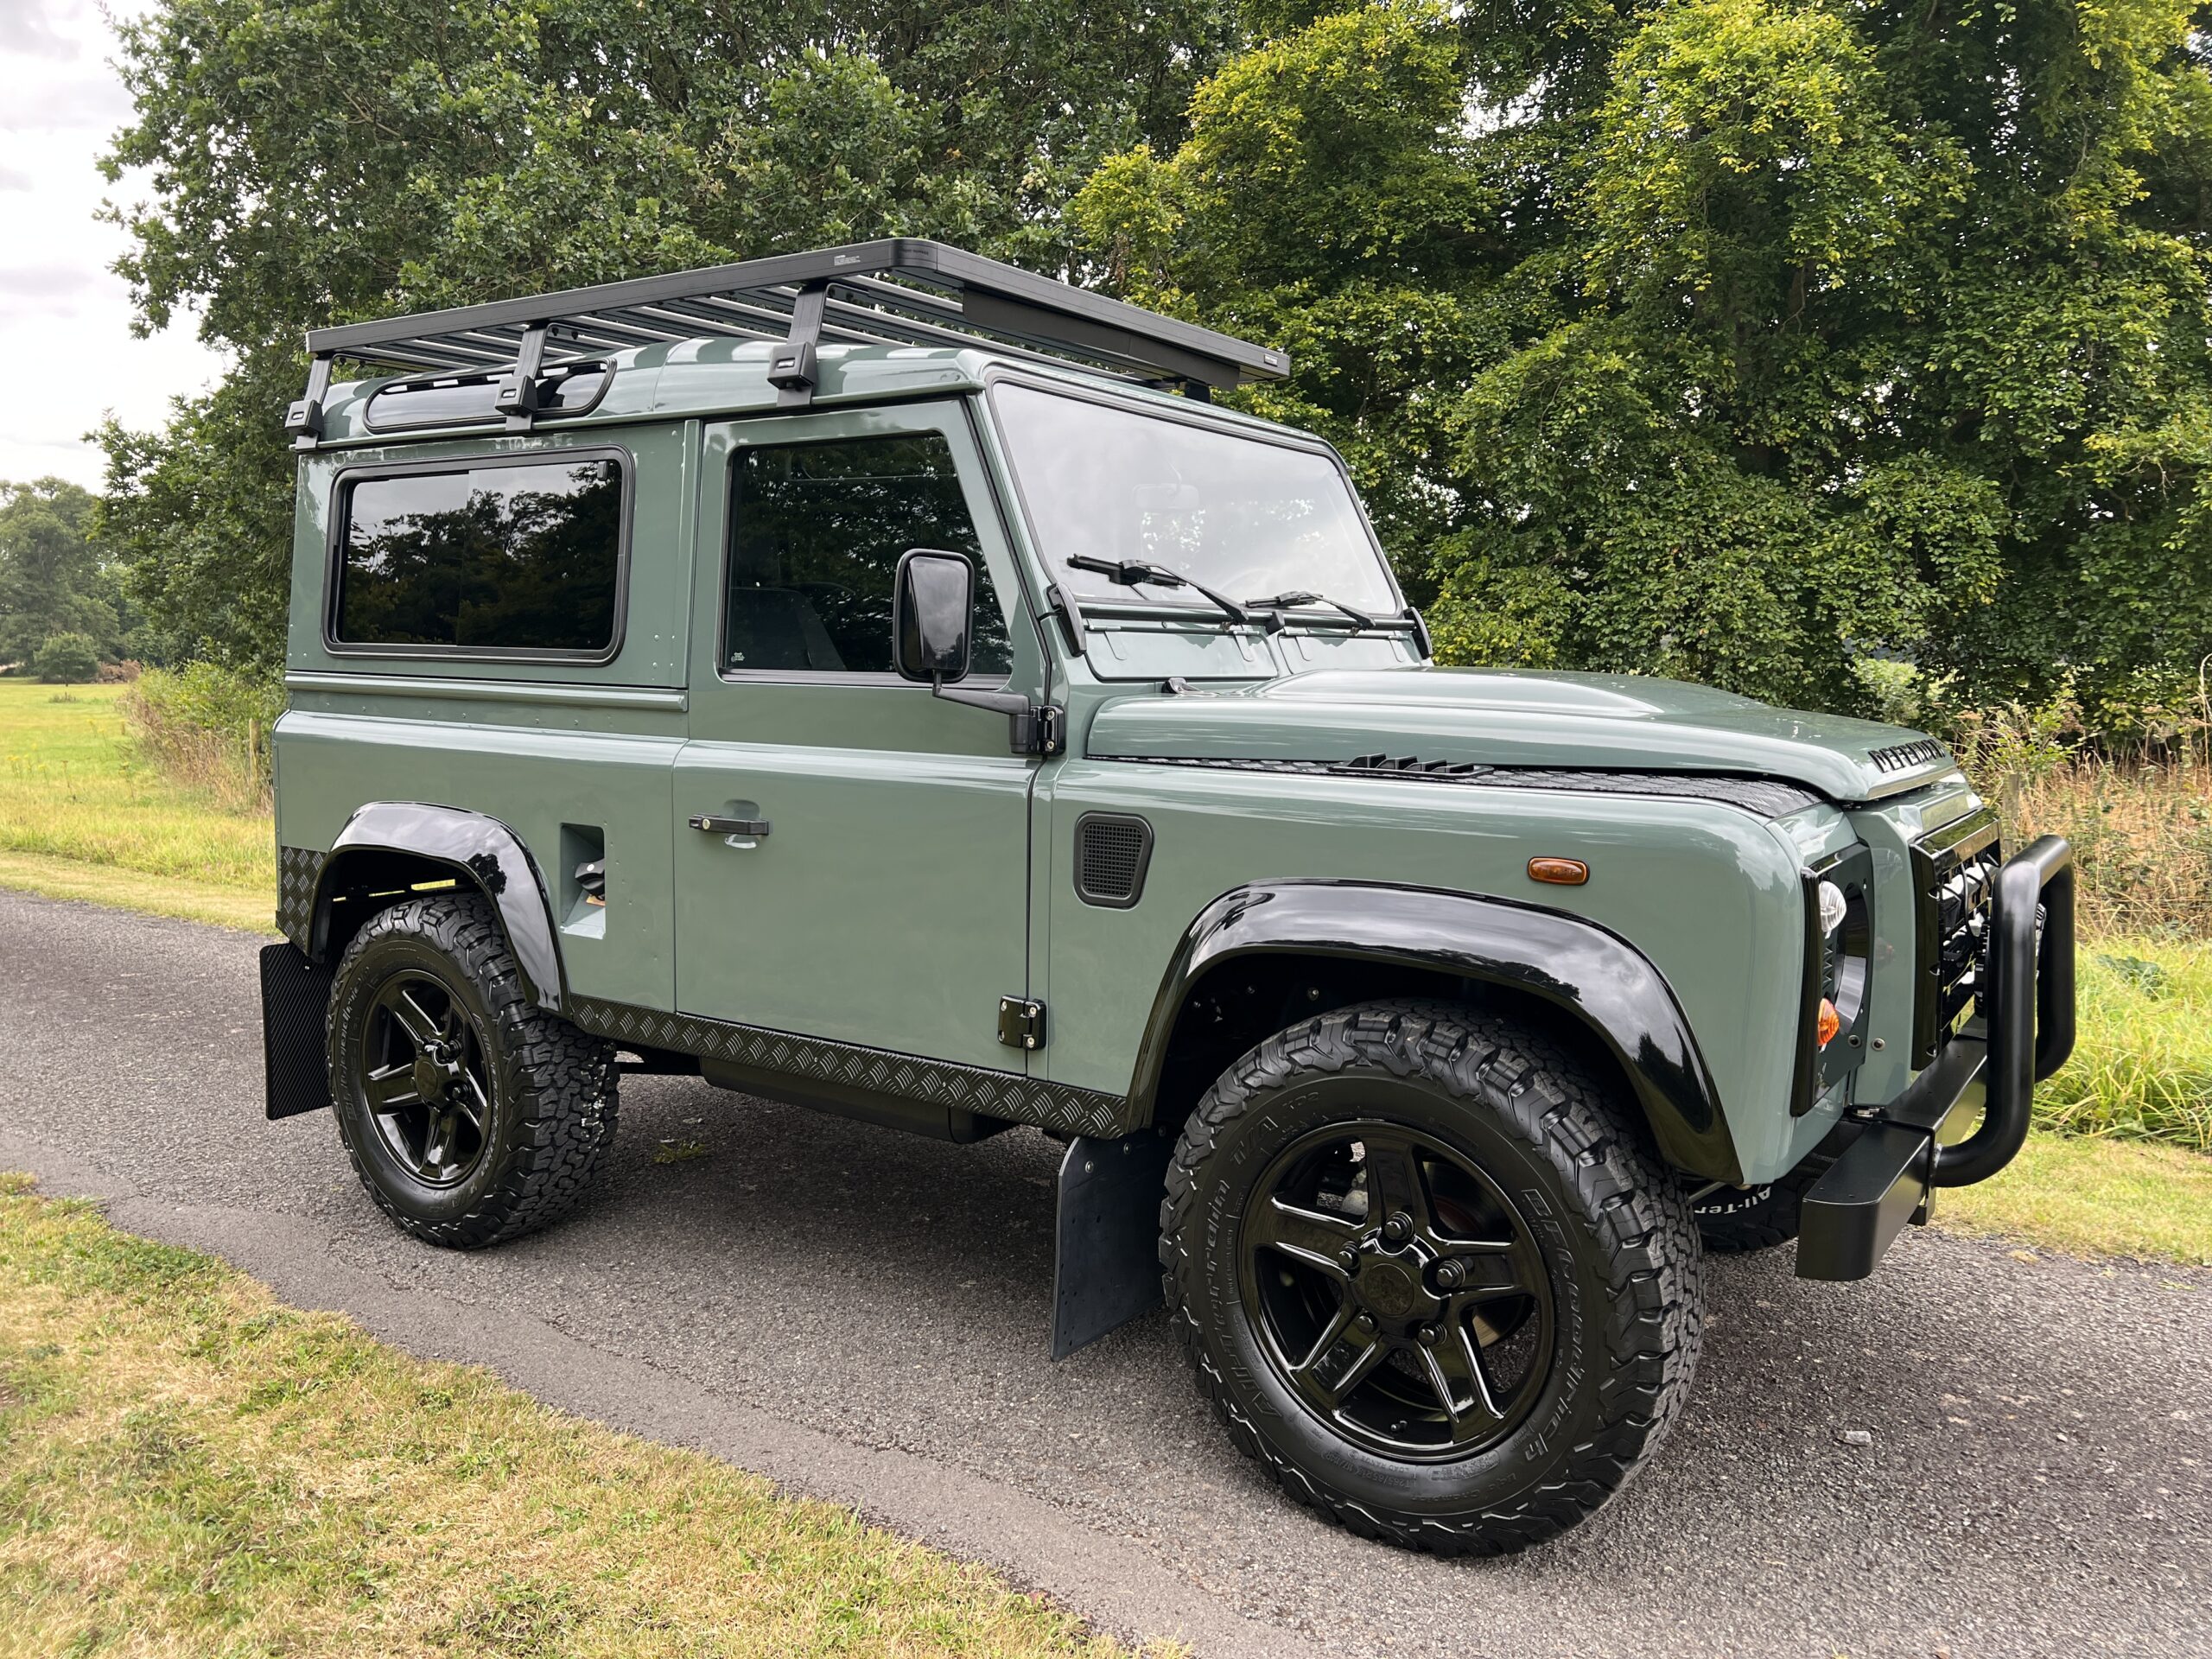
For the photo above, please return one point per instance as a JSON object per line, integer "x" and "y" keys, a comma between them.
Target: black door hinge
{"x": 1021, "y": 1022}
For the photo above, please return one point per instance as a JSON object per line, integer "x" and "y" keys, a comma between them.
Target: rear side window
{"x": 511, "y": 556}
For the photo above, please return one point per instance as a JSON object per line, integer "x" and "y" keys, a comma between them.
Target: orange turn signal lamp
{"x": 1831, "y": 1022}
{"x": 1559, "y": 872}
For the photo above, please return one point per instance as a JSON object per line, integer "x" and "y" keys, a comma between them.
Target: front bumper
{"x": 2021, "y": 1031}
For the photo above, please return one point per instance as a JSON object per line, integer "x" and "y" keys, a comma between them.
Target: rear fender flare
{"x": 481, "y": 851}
{"x": 1587, "y": 971}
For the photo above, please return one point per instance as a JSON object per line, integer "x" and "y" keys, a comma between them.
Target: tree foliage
{"x": 1732, "y": 339}
{"x": 322, "y": 161}
{"x": 53, "y": 577}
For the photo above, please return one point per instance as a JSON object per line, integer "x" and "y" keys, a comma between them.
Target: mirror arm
{"x": 1032, "y": 730}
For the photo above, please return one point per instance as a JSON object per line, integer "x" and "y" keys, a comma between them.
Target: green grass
{"x": 81, "y": 816}
{"x": 2142, "y": 1064}
{"x": 186, "y": 1466}
{"x": 2093, "y": 1197}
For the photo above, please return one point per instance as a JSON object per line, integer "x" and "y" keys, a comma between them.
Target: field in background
{"x": 186, "y": 1466}
{"x": 83, "y": 814}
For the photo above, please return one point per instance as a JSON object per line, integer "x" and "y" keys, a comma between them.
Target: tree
{"x": 334, "y": 160}
{"x": 68, "y": 659}
{"x": 52, "y": 578}
{"x": 1734, "y": 338}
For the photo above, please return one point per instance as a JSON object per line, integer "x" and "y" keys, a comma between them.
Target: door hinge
{"x": 1021, "y": 1022}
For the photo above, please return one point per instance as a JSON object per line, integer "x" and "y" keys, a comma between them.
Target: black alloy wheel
{"x": 1431, "y": 1273}
{"x": 424, "y": 1077}
{"x": 471, "y": 1114}
{"x": 1401, "y": 1294}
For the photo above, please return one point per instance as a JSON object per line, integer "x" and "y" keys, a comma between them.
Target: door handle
{"x": 750, "y": 829}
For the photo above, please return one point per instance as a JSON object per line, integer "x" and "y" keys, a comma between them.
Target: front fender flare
{"x": 1593, "y": 974}
{"x": 481, "y": 852}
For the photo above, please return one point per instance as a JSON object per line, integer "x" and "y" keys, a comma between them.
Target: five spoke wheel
{"x": 424, "y": 1078}
{"x": 1401, "y": 1293}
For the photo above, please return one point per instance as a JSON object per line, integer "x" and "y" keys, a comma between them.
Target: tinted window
{"x": 484, "y": 558}
{"x": 817, "y": 530}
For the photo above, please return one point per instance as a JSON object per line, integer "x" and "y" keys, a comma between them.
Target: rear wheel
{"x": 1428, "y": 1276}
{"x": 470, "y": 1115}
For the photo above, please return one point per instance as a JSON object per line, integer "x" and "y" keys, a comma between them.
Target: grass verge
{"x": 74, "y": 792}
{"x": 186, "y": 1466}
{"x": 2093, "y": 1197}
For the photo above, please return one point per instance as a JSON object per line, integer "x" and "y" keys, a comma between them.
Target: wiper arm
{"x": 1136, "y": 573}
{"x": 1284, "y": 601}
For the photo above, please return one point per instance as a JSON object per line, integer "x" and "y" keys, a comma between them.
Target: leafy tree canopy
{"x": 322, "y": 161}
{"x": 53, "y": 580}
{"x": 1732, "y": 338}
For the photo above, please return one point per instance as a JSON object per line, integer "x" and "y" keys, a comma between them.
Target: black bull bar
{"x": 2021, "y": 1031}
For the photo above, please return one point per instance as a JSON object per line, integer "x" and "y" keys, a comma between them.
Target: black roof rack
{"x": 901, "y": 291}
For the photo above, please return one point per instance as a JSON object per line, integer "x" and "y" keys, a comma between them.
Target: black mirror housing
{"x": 933, "y": 615}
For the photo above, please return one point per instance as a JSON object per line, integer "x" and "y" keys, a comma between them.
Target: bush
{"x": 206, "y": 729}
{"x": 68, "y": 659}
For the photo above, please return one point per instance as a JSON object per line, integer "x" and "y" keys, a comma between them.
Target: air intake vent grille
{"x": 1903, "y": 757}
{"x": 1110, "y": 856}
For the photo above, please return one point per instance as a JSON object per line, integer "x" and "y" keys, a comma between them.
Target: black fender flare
{"x": 1590, "y": 973}
{"x": 481, "y": 851}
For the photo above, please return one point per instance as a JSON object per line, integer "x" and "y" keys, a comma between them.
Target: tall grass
{"x": 206, "y": 729}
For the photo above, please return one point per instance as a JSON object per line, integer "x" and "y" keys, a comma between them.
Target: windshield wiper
{"x": 1284, "y": 601}
{"x": 1135, "y": 573}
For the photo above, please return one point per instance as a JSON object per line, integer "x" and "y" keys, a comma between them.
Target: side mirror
{"x": 933, "y": 615}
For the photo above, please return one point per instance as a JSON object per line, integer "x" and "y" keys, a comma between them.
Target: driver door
{"x": 886, "y": 903}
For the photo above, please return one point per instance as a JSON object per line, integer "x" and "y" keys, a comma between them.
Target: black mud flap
{"x": 295, "y": 1003}
{"x": 1107, "y": 1268}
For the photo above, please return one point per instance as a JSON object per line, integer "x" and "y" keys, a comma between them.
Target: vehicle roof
{"x": 710, "y": 377}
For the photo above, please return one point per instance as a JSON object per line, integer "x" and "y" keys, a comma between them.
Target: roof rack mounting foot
{"x": 303, "y": 420}
{"x": 517, "y": 396}
{"x": 792, "y": 369}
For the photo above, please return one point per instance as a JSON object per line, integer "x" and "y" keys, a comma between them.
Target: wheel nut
{"x": 1399, "y": 1227}
{"x": 1450, "y": 1274}
{"x": 1428, "y": 1334}
{"x": 1366, "y": 1321}
{"x": 1348, "y": 1259}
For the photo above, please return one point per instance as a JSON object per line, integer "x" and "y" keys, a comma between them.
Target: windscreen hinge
{"x": 1021, "y": 1022}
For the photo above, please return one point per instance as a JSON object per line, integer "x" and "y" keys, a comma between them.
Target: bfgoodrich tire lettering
{"x": 471, "y": 1116}
{"x": 1735, "y": 1220}
{"x": 1518, "y": 1120}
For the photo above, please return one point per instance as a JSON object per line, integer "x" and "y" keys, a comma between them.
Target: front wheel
{"x": 471, "y": 1116}
{"x": 1428, "y": 1276}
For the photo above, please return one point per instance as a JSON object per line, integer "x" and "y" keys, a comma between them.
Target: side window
{"x": 499, "y": 557}
{"x": 816, "y": 532}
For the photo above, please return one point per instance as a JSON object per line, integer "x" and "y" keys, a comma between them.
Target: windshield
{"x": 1247, "y": 517}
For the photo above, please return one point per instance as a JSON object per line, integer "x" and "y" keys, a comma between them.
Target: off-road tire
{"x": 1616, "y": 1235}
{"x": 553, "y": 1096}
{"x": 1734, "y": 1221}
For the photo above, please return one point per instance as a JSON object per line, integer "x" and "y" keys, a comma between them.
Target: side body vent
{"x": 1111, "y": 851}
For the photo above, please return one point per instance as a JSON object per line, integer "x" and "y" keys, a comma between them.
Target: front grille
{"x": 1110, "y": 856}
{"x": 1957, "y": 870}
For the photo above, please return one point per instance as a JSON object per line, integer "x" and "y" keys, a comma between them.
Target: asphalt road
{"x": 862, "y": 1315}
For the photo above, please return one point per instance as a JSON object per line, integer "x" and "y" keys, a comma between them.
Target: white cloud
{"x": 65, "y": 317}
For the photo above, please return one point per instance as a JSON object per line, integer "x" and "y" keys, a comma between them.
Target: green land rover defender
{"x": 879, "y": 679}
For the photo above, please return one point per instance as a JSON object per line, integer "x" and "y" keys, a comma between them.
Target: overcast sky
{"x": 65, "y": 344}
